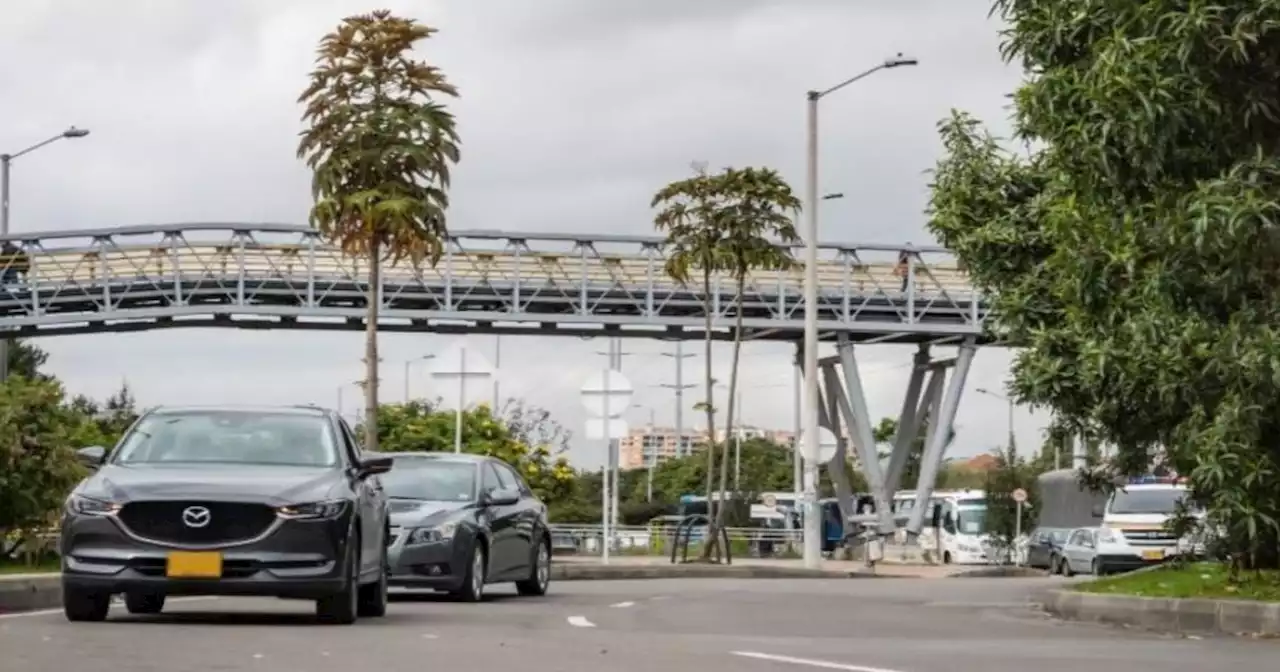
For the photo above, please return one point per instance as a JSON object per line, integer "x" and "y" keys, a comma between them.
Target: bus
{"x": 962, "y": 536}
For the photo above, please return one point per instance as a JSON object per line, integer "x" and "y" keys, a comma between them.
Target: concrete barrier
{"x": 1232, "y": 617}
{"x": 1002, "y": 571}
{"x": 26, "y": 592}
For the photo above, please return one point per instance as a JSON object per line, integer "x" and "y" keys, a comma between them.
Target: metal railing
{"x": 588, "y": 540}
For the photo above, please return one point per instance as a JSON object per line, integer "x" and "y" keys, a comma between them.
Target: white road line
{"x": 580, "y": 622}
{"x": 47, "y": 612}
{"x": 623, "y": 605}
{"x": 826, "y": 664}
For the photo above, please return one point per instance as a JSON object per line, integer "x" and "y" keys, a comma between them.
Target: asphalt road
{"x": 861, "y": 625}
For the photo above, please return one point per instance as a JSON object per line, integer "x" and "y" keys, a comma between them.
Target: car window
{"x": 489, "y": 478}
{"x": 505, "y": 481}
{"x": 349, "y": 442}
{"x": 232, "y": 437}
{"x": 1074, "y": 539}
{"x": 509, "y": 475}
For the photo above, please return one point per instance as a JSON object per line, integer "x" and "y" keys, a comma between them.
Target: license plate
{"x": 194, "y": 565}
{"x": 1153, "y": 555}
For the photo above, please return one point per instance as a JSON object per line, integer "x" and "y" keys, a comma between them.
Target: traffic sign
{"x": 1020, "y": 496}
{"x": 607, "y": 394}
{"x": 606, "y": 428}
{"x": 826, "y": 445}
{"x": 769, "y": 501}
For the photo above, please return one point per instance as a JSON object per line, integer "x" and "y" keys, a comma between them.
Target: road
{"x": 861, "y": 625}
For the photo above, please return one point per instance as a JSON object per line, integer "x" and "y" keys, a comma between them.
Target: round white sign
{"x": 826, "y": 445}
{"x": 769, "y": 501}
{"x": 1020, "y": 496}
{"x": 607, "y": 394}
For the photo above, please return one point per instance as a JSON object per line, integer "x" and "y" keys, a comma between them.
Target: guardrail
{"x": 662, "y": 540}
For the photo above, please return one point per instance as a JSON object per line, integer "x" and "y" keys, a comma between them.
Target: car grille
{"x": 229, "y": 522}
{"x": 1149, "y": 537}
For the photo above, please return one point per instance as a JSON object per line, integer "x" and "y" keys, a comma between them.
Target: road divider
{"x": 1231, "y": 617}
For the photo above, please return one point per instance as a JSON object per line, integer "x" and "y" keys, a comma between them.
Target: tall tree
{"x": 756, "y": 216}
{"x": 380, "y": 146}
{"x": 687, "y": 210}
{"x": 1132, "y": 252}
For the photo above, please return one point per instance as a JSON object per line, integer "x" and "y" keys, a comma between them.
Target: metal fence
{"x": 658, "y": 540}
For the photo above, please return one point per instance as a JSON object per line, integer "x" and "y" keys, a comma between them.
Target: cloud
{"x": 572, "y": 112}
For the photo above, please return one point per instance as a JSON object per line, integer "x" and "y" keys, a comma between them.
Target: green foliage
{"x": 887, "y": 431}
{"x": 419, "y": 426}
{"x": 103, "y": 424}
{"x": 1010, "y": 473}
{"x": 1133, "y": 252}
{"x": 380, "y": 147}
{"x": 26, "y": 359}
{"x": 38, "y": 465}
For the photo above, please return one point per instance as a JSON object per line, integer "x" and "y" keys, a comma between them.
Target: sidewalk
{"x": 841, "y": 567}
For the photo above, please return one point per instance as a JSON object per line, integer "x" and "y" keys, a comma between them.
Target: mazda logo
{"x": 196, "y": 516}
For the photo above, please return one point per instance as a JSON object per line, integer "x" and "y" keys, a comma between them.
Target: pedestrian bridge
{"x": 259, "y": 276}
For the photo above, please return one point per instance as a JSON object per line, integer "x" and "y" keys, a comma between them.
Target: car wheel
{"x": 343, "y": 607}
{"x": 472, "y": 589}
{"x": 144, "y": 603}
{"x": 1095, "y": 568}
{"x": 83, "y": 605}
{"x": 946, "y": 557}
{"x": 1066, "y": 569}
{"x": 373, "y": 596}
{"x": 540, "y": 574}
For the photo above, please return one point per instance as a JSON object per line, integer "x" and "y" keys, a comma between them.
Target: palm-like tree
{"x": 380, "y": 147}
{"x": 687, "y": 212}
{"x": 756, "y": 229}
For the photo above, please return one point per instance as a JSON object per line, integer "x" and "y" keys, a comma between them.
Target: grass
{"x": 9, "y": 566}
{"x": 1201, "y": 579}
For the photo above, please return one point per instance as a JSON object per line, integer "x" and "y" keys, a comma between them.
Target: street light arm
{"x": 847, "y": 82}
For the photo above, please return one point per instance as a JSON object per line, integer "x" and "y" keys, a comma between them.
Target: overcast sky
{"x": 573, "y": 112}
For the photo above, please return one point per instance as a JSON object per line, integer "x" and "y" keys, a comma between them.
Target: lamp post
{"x": 6, "y": 160}
{"x": 408, "y": 363}
{"x": 1008, "y": 400}
{"x": 812, "y": 518}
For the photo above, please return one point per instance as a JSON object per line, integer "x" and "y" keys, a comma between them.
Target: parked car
{"x": 461, "y": 522}
{"x": 1044, "y": 547}
{"x": 1098, "y": 551}
{"x": 228, "y": 501}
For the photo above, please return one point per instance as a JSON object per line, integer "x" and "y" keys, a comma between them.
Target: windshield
{"x": 431, "y": 480}
{"x": 1159, "y": 501}
{"x": 231, "y": 437}
{"x": 971, "y": 521}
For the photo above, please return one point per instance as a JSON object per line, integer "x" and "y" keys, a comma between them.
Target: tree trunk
{"x": 371, "y": 350}
{"x": 733, "y": 393}
{"x": 709, "y": 546}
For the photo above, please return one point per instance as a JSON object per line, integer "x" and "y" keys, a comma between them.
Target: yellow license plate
{"x": 1153, "y": 555}
{"x": 194, "y": 565}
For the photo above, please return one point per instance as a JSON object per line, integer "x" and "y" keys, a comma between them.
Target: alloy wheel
{"x": 544, "y": 566}
{"x": 477, "y": 574}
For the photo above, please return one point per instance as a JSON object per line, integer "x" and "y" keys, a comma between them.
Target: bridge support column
{"x": 940, "y": 435}
{"x": 830, "y": 396}
{"x": 910, "y": 419}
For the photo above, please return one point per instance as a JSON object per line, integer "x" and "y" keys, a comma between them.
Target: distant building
{"x": 649, "y": 442}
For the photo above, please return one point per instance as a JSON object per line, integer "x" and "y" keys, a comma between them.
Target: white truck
{"x": 1138, "y": 515}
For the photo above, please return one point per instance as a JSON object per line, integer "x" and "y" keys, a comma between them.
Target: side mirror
{"x": 92, "y": 456}
{"x": 949, "y": 523}
{"x": 500, "y": 497}
{"x": 1098, "y": 511}
{"x": 372, "y": 466}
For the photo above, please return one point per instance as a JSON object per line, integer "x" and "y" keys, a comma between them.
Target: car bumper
{"x": 1126, "y": 561}
{"x": 298, "y": 559}
{"x": 439, "y": 565}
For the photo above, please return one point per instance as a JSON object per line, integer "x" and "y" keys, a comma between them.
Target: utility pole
{"x": 679, "y": 355}
{"x": 615, "y": 354}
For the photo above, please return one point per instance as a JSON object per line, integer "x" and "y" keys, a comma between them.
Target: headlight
{"x": 427, "y": 535}
{"x": 1107, "y": 536}
{"x": 88, "y": 506}
{"x": 312, "y": 510}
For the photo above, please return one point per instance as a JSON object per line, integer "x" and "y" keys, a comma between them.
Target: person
{"x": 903, "y": 269}
{"x": 13, "y": 262}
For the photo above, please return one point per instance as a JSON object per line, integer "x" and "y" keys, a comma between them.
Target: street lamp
{"x": 1006, "y": 399}
{"x": 6, "y": 159}
{"x": 408, "y": 363}
{"x": 812, "y": 520}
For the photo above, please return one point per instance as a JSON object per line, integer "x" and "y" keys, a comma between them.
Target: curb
{"x": 1010, "y": 572}
{"x": 28, "y": 592}
{"x": 1227, "y": 617}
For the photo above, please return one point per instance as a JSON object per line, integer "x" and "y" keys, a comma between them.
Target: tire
{"x": 540, "y": 574}
{"x": 1066, "y": 569}
{"x": 373, "y": 596}
{"x": 946, "y": 557}
{"x": 144, "y": 603}
{"x": 472, "y": 589}
{"x": 343, "y": 607}
{"x": 84, "y": 606}
{"x": 1095, "y": 568}
{"x": 1053, "y": 565}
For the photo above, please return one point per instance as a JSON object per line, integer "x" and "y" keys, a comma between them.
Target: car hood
{"x": 412, "y": 513}
{"x": 272, "y": 485}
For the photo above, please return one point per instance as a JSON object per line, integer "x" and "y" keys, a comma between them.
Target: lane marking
{"x": 623, "y": 605}
{"x": 114, "y": 603}
{"x": 811, "y": 662}
{"x": 580, "y": 622}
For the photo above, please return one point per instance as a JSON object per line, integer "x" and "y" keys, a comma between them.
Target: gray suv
{"x": 228, "y": 501}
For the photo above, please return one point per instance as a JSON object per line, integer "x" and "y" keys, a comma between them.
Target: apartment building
{"x": 649, "y": 442}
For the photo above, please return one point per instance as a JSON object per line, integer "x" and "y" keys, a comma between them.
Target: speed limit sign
{"x": 1020, "y": 496}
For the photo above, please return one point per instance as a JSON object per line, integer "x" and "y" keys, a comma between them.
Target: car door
{"x": 526, "y": 515}
{"x": 502, "y": 540}
{"x": 368, "y": 503}
{"x": 1071, "y": 549}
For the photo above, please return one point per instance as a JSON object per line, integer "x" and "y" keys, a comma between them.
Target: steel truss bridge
{"x": 262, "y": 276}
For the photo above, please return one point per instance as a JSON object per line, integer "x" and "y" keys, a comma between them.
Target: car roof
{"x": 239, "y": 408}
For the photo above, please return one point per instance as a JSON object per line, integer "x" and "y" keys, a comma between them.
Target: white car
{"x": 1095, "y": 550}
